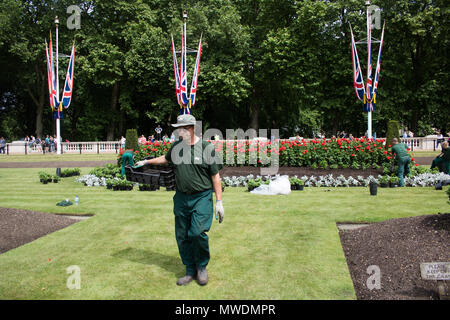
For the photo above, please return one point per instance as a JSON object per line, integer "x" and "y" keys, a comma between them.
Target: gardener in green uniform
{"x": 127, "y": 159}
{"x": 403, "y": 158}
{"x": 196, "y": 176}
{"x": 442, "y": 161}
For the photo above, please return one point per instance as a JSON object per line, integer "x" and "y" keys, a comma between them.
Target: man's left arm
{"x": 217, "y": 185}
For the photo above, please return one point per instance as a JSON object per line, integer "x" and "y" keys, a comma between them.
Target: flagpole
{"x": 369, "y": 114}
{"x": 58, "y": 129}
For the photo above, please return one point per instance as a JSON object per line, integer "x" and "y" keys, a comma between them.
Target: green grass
{"x": 56, "y": 157}
{"x": 273, "y": 247}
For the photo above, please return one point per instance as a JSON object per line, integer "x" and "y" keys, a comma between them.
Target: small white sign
{"x": 435, "y": 271}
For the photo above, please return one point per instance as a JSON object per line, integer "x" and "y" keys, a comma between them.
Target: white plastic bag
{"x": 280, "y": 185}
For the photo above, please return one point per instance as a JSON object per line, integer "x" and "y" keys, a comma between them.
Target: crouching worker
{"x": 127, "y": 159}
{"x": 403, "y": 159}
{"x": 197, "y": 176}
{"x": 442, "y": 161}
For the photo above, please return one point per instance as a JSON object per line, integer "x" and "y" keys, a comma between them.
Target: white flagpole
{"x": 58, "y": 129}
{"x": 369, "y": 114}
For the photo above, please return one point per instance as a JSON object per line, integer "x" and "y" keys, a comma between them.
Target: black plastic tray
{"x": 163, "y": 176}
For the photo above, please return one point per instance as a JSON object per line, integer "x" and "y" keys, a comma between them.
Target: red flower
{"x": 412, "y": 159}
{"x": 417, "y": 164}
{"x": 389, "y": 158}
{"x": 154, "y": 149}
{"x": 353, "y": 154}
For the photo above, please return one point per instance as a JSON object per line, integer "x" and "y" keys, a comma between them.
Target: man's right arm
{"x": 158, "y": 161}
{"x": 155, "y": 161}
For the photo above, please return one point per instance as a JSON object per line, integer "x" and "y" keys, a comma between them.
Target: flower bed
{"x": 326, "y": 154}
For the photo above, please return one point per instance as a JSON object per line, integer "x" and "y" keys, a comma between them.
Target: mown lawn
{"x": 273, "y": 247}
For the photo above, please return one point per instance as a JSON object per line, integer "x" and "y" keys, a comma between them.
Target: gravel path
{"x": 56, "y": 164}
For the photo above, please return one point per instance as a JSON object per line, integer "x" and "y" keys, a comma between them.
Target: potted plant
{"x": 384, "y": 181}
{"x": 252, "y": 184}
{"x": 56, "y": 179}
{"x": 293, "y": 182}
{"x": 373, "y": 186}
{"x": 300, "y": 184}
{"x": 109, "y": 183}
{"x": 394, "y": 181}
{"x": 115, "y": 185}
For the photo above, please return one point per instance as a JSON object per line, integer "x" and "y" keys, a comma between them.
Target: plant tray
{"x": 161, "y": 176}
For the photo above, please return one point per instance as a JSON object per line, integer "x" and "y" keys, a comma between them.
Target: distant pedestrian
{"x": 2, "y": 145}
{"x": 158, "y": 130}
{"x": 439, "y": 139}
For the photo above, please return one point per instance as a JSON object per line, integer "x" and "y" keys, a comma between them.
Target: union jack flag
{"x": 195, "y": 75}
{"x": 378, "y": 71}
{"x": 358, "y": 80}
{"x": 369, "y": 106}
{"x": 176, "y": 73}
{"x": 53, "y": 97}
{"x": 49, "y": 77}
{"x": 183, "y": 76}
{"x": 68, "y": 85}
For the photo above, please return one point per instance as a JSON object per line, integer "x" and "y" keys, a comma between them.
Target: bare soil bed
{"x": 18, "y": 227}
{"x": 397, "y": 247}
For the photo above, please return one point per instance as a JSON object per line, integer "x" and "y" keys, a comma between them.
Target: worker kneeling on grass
{"x": 442, "y": 161}
{"x": 196, "y": 176}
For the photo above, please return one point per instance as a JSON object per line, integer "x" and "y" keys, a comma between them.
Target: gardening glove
{"x": 141, "y": 163}
{"x": 220, "y": 210}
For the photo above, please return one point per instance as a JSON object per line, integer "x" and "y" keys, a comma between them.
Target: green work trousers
{"x": 403, "y": 169}
{"x": 193, "y": 218}
{"x": 127, "y": 159}
{"x": 441, "y": 164}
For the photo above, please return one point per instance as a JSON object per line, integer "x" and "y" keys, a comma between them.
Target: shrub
{"x": 131, "y": 139}
{"x": 393, "y": 131}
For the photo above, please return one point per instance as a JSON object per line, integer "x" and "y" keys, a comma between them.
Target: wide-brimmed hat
{"x": 184, "y": 120}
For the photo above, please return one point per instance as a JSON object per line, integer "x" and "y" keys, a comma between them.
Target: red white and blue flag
{"x": 193, "y": 93}
{"x": 183, "y": 75}
{"x": 358, "y": 80}
{"x": 49, "y": 77}
{"x": 53, "y": 97}
{"x": 176, "y": 74}
{"x": 68, "y": 85}
{"x": 369, "y": 106}
{"x": 378, "y": 71}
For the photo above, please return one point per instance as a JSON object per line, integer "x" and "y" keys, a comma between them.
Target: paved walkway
{"x": 56, "y": 164}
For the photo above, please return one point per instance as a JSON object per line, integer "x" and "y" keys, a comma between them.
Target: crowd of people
{"x": 47, "y": 144}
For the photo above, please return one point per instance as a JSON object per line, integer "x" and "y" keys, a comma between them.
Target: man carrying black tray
{"x": 196, "y": 176}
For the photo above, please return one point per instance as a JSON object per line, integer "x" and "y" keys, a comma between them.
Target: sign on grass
{"x": 435, "y": 271}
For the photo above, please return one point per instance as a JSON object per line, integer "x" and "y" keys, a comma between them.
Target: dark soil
{"x": 397, "y": 247}
{"x": 18, "y": 227}
{"x": 299, "y": 172}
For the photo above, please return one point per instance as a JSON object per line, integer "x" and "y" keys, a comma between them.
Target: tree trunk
{"x": 39, "y": 100}
{"x": 114, "y": 99}
{"x": 254, "y": 113}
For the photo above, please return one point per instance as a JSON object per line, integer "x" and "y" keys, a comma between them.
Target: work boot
{"x": 202, "y": 276}
{"x": 185, "y": 280}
